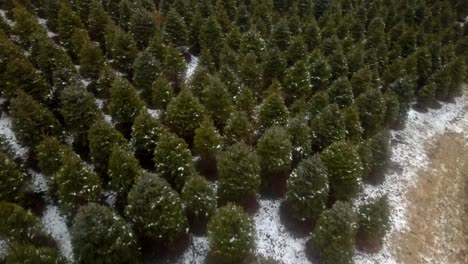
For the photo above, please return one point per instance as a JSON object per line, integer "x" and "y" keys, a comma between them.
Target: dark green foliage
{"x": 91, "y": 61}
{"x": 231, "y": 222}
{"x": 238, "y": 128}
{"x": 211, "y": 37}
{"x": 78, "y": 40}
{"x": 318, "y": 102}
{"x": 102, "y": 137}
{"x": 145, "y": 134}
{"x": 217, "y": 102}
{"x": 274, "y": 150}
{"x": 404, "y": 90}
{"x": 251, "y": 72}
{"x": 49, "y": 154}
{"x": 175, "y": 67}
{"x": 25, "y": 253}
{"x": 296, "y": 51}
{"x": 123, "y": 49}
{"x": 199, "y": 197}
{"x": 381, "y": 152}
{"x": 426, "y": 96}
{"x": 26, "y": 25}
{"x": 327, "y": 127}
{"x": 146, "y": 70}
{"x": 207, "y": 142}
{"x": 184, "y": 114}
{"x": 371, "y": 107}
{"x": 238, "y": 172}
{"x": 18, "y": 225}
{"x": 175, "y": 30}
{"x": 300, "y": 134}
{"x": 123, "y": 170}
{"x": 352, "y": 123}
{"x": 125, "y": 103}
{"x": 32, "y": 121}
{"x": 320, "y": 71}
{"x": 392, "y": 109}
{"x": 68, "y": 22}
{"x": 162, "y": 93}
{"x": 344, "y": 168}
{"x": 12, "y": 180}
{"x": 362, "y": 81}
{"x": 98, "y": 20}
{"x": 297, "y": 81}
{"x": 78, "y": 109}
{"x": 107, "y": 76}
{"x": 281, "y": 34}
{"x": 155, "y": 210}
{"x": 333, "y": 236}
{"x": 99, "y": 235}
{"x": 77, "y": 184}
{"x": 142, "y": 26}
{"x": 173, "y": 160}
{"x": 308, "y": 189}
{"x": 245, "y": 100}
{"x": 374, "y": 222}
{"x": 341, "y": 92}
{"x": 273, "y": 111}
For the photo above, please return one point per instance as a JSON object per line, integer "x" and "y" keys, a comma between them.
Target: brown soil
{"x": 437, "y": 207}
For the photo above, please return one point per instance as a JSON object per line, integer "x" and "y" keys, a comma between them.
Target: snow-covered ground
{"x": 191, "y": 67}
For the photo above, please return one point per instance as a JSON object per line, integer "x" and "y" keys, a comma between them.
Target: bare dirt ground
{"x": 437, "y": 207}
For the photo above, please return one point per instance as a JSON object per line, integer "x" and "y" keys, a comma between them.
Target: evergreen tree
{"x": 334, "y": 233}
{"x": 296, "y": 51}
{"x": 320, "y": 71}
{"x": 123, "y": 50}
{"x": 371, "y": 107}
{"x": 184, "y": 114}
{"x": 274, "y": 66}
{"x": 338, "y": 65}
{"x": 344, "y": 168}
{"x": 211, "y": 37}
{"x": 299, "y": 131}
{"x": 49, "y": 153}
{"x": 318, "y": 102}
{"x": 238, "y": 128}
{"x": 238, "y": 172}
{"x": 231, "y": 234}
{"x": 173, "y": 160}
{"x": 207, "y": 143}
{"x": 24, "y": 253}
{"x": 380, "y": 148}
{"x": 272, "y": 111}
{"x": 404, "y": 90}
{"x": 245, "y": 100}
{"x": 352, "y": 123}
{"x": 26, "y": 24}
{"x": 32, "y": 121}
{"x": 12, "y": 180}
{"x": 68, "y": 22}
{"x": 327, "y": 127}
{"x": 274, "y": 150}
{"x": 162, "y": 93}
{"x": 175, "y": 30}
{"x": 341, "y": 92}
{"x": 362, "y": 81}
{"x": 199, "y": 198}
{"x": 217, "y": 102}
{"x": 146, "y": 71}
{"x": 77, "y": 184}
{"x": 297, "y": 81}
{"x": 374, "y": 222}
{"x": 91, "y": 61}
{"x": 78, "y": 40}
{"x": 102, "y": 137}
{"x": 251, "y": 72}
{"x": 166, "y": 221}
{"x": 392, "y": 109}
{"x": 125, "y": 103}
{"x": 175, "y": 67}
{"x": 307, "y": 192}
{"x": 145, "y": 135}
{"x": 100, "y": 235}
{"x": 123, "y": 170}
{"x": 142, "y": 26}
{"x": 98, "y": 20}
{"x": 18, "y": 226}
{"x": 281, "y": 34}
{"x": 78, "y": 109}
{"x": 107, "y": 76}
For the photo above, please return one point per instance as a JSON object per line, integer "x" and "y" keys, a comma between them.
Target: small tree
{"x": 274, "y": 150}
{"x": 146, "y": 70}
{"x": 371, "y": 107}
{"x": 297, "y": 81}
{"x": 68, "y": 22}
{"x": 102, "y": 137}
{"x": 341, "y": 92}
{"x": 32, "y": 121}
{"x": 299, "y": 132}
{"x": 231, "y": 234}
{"x": 91, "y": 61}
{"x": 175, "y": 30}
{"x": 217, "y": 102}
{"x": 123, "y": 170}
{"x": 49, "y": 155}
{"x": 273, "y": 111}
{"x": 352, "y": 123}
{"x": 145, "y": 135}
{"x": 199, "y": 198}
{"x": 238, "y": 172}
{"x": 184, "y": 114}
{"x": 238, "y": 128}
{"x": 162, "y": 93}
{"x": 123, "y": 49}
{"x": 12, "y": 180}
{"x": 381, "y": 152}
{"x": 77, "y": 184}
{"x": 165, "y": 221}
{"x": 207, "y": 143}
{"x": 142, "y": 26}
{"x": 173, "y": 160}
{"x": 344, "y": 168}
{"x": 334, "y": 233}
{"x": 175, "y": 67}
{"x": 18, "y": 225}
{"x": 24, "y": 253}
{"x": 125, "y": 103}
{"x": 327, "y": 127}
{"x": 374, "y": 223}
{"x": 308, "y": 189}
{"x": 100, "y": 235}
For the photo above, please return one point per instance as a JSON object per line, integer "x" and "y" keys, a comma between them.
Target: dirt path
{"x": 437, "y": 220}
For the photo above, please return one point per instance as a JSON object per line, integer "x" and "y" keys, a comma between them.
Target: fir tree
{"x": 146, "y": 70}
{"x": 352, "y": 123}
{"x": 78, "y": 40}
{"x": 392, "y": 109}
{"x": 238, "y": 172}
{"x": 296, "y": 51}
{"x": 274, "y": 150}
{"x": 404, "y": 90}
{"x": 175, "y": 30}
{"x": 166, "y": 221}
{"x": 199, "y": 198}
{"x": 238, "y": 128}
{"x": 102, "y": 137}
{"x": 91, "y": 61}
{"x": 231, "y": 234}
{"x": 251, "y": 72}
{"x": 68, "y": 22}
{"x": 98, "y": 20}
{"x": 272, "y": 111}
{"x": 281, "y": 34}
{"x": 173, "y": 160}
{"x": 380, "y": 148}
{"x": 371, "y": 107}
{"x": 100, "y": 235}
{"x": 125, "y": 103}
{"x": 217, "y": 102}
{"x": 374, "y": 222}
{"x": 12, "y": 179}
{"x": 123, "y": 170}
{"x": 297, "y": 81}
{"x": 308, "y": 188}
{"x": 207, "y": 143}
{"x": 175, "y": 67}
{"x": 107, "y": 76}
{"x": 32, "y": 121}
{"x": 327, "y": 127}
{"x": 211, "y": 37}
{"x": 123, "y": 50}
{"x": 344, "y": 168}
{"x": 318, "y": 102}
{"x": 77, "y": 184}
{"x": 300, "y": 134}
{"x": 362, "y": 81}
{"x": 320, "y": 71}
{"x": 24, "y": 253}
{"x": 274, "y": 67}
{"x": 341, "y": 93}
{"x": 26, "y": 24}
{"x": 142, "y": 27}
{"x": 334, "y": 233}
{"x": 245, "y": 100}
{"x": 145, "y": 135}
{"x": 19, "y": 226}
{"x": 184, "y": 114}
{"x": 162, "y": 93}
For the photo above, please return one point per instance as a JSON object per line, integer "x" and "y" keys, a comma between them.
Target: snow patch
{"x": 191, "y": 67}
{"x": 154, "y": 113}
{"x": 39, "y": 183}
{"x": 197, "y": 251}
{"x": 55, "y": 225}
{"x": 6, "y": 130}
{"x": 9, "y": 22}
